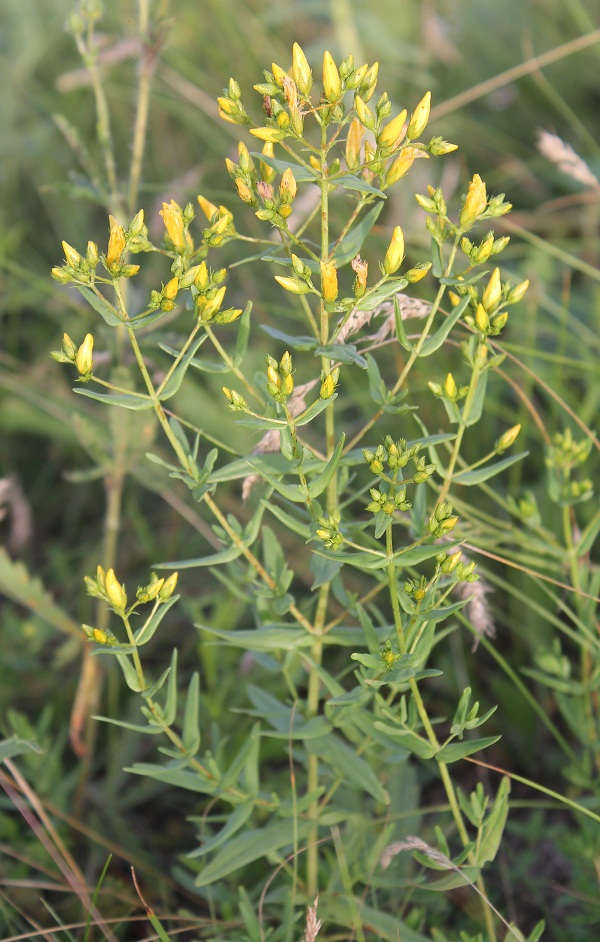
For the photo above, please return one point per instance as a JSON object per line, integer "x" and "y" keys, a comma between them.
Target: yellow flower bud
{"x": 170, "y": 289}
{"x": 481, "y": 318}
{"x": 450, "y": 387}
{"x": 395, "y": 253}
{"x": 116, "y": 243}
{"x": 285, "y": 364}
{"x": 332, "y": 85}
{"x": 212, "y": 306}
{"x": 279, "y": 74}
{"x": 287, "y": 384}
{"x": 228, "y": 108}
{"x": 327, "y": 388}
{"x": 201, "y": 279}
{"x": 315, "y": 163}
{"x": 69, "y": 347}
{"x": 329, "y": 281}
{"x": 391, "y": 134}
{"x": 356, "y": 132}
{"x": 83, "y": 359}
{"x": 475, "y": 202}
{"x": 364, "y": 113}
{"x": 508, "y": 439}
{"x": 173, "y": 219}
{"x": 72, "y": 256}
{"x": 292, "y": 284}
{"x": 168, "y": 587}
{"x": 419, "y": 118}
{"x": 288, "y": 186}
{"x": 115, "y": 591}
{"x": 244, "y": 191}
{"x": 267, "y": 173}
{"x": 100, "y": 636}
{"x": 269, "y": 134}
{"x": 273, "y": 376}
{"x": 516, "y": 293}
{"x": 209, "y": 209}
{"x": 301, "y": 71}
{"x": 401, "y": 164}
{"x": 493, "y": 292}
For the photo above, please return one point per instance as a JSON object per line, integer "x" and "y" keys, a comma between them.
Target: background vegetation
{"x": 469, "y": 53}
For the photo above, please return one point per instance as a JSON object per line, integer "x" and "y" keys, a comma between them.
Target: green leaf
{"x": 17, "y": 584}
{"x": 235, "y": 821}
{"x": 131, "y": 678}
{"x": 176, "y": 776}
{"x": 458, "y": 750}
{"x": 15, "y": 746}
{"x": 379, "y": 925}
{"x": 350, "y": 182}
{"x": 478, "y": 401}
{"x": 170, "y": 709}
{"x": 144, "y": 320}
{"x": 479, "y": 475}
{"x": 146, "y": 632}
{"x": 408, "y": 739}
{"x": 418, "y": 554}
{"x": 147, "y": 730}
{"x": 210, "y": 366}
{"x": 102, "y": 307}
{"x": 434, "y": 342}
{"x": 318, "y": 406}
{"x": 262, "y": 639}
{"x": 191, "y": 730}
{"x": 126, "y": 401}
{"x": 243, "y": 335}
{"x": 352, "y": 242}
{"x": 292, "y": 523}
{"x": 588, "y": 537}
{"x": 379, "y": 295}
{"x": 176, "y": 378}
{"x": 493, "y": 827}
{"x": 301, "y": 174}
{"x": 352, "y": 767}
{"x": 290, "y": 491}
{"x": 262, "y": 422}
{"x": 400, "y": 330}
{"x": 318, "y": 484}
{"x": 300, "y": 343}
{"x": 324, "y": 570}
{"x": 344, "y": 353}
{"x": 251, "y": 846}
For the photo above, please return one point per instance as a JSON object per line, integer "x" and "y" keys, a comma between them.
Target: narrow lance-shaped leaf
{"x": 191, "y": 730}
{"x": 318, "y": 485}
{"x": 175, "y": 380}
{"x": 434, "y": 342}
{"x": 243, "y": 335}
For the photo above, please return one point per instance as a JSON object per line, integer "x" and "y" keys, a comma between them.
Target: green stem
{"x": 475, "y": 377}
{"x": 147, "y": 67}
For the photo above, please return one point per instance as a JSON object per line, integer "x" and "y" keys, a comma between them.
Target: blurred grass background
{"x": 450, "y": 47}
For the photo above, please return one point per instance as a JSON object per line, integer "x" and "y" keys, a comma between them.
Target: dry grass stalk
{"x": 566, "y": 159}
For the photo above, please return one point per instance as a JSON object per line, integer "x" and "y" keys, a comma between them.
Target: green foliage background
{"x": 450, "y": 47}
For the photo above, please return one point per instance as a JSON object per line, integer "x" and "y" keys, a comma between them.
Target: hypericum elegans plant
{"x": 363, "y": 504}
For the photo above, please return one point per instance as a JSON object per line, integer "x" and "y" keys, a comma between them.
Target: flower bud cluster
{"x": 442, "y": 520}
{"x": 329, "y": 382}
{"x": 230, "y": 106}
{"x": 235, "y": 401}
{"x": 449, "y": 390}
{"x": 81, "y": 269}
{"x": 451, "y": 563}
{"x": 487, "y": 315}
{"x": 177, "y": 221}
{"x": 276, "y": 203}
{"x": 416, "y": 588}
{"x": 478, "y": 254}
{"x": 208, "y": 292}
{"x": 280, "y": 383}
{"x": 106, "y": 586}
{"x": 388, "y": 502}
{"x": 396, "y": 456}
{"x": 220, "y": 228}
{"x": 81, "y": 356}
{"x": 562, "y": 457}
{"x": 329, "y": 531}
{"x": 301, "y": 281}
